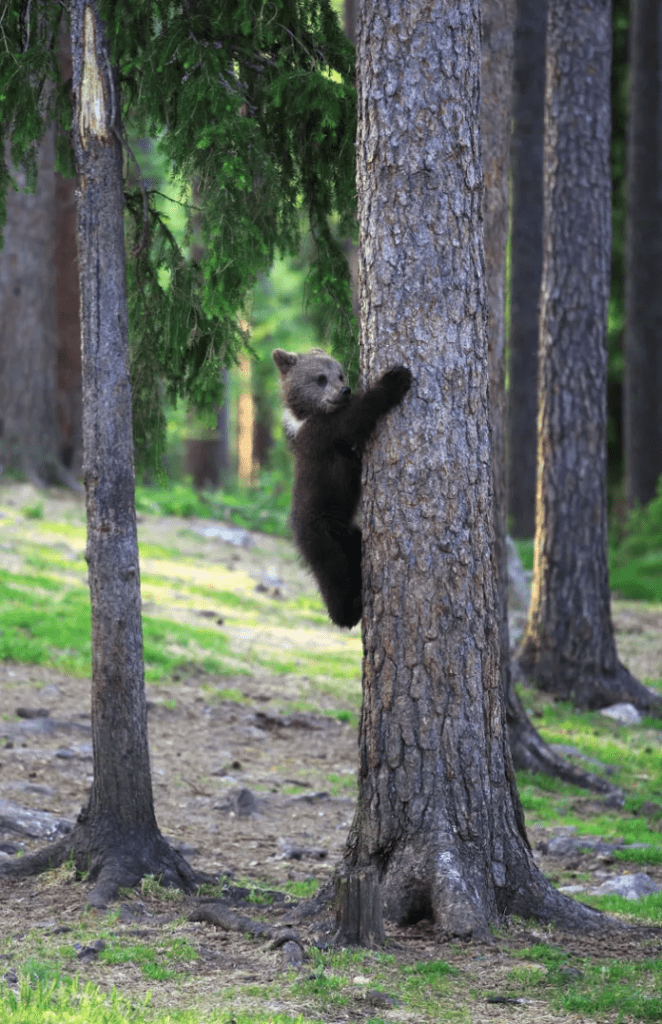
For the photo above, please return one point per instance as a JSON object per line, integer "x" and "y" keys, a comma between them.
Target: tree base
{"x": 111, "y": 866}
{"x": 589, "y": 689}
{"x": 359, "y": 918}
{"x": 531, "y": 753}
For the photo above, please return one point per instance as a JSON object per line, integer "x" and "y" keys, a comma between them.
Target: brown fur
{"x": 328, "y": 427}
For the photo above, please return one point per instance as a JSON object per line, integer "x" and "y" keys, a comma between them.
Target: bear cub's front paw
{"x": 398, "y": 380}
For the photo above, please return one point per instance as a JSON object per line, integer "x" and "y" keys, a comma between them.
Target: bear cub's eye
{"x": 321, "y": 380}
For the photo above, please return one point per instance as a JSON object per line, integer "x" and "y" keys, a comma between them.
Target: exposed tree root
{"x": 111, "y": 867}
{"x": 588, "y": 689}
{"x": 531, "y": 753}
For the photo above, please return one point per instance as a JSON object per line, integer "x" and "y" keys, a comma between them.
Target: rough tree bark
{"x": 525, "y": 261}
{"x": 643, "y": 297}
{"x": 529, "y": 750}
{"x": 568, "y": 647}
{"x": 67, "y": 304}
{"x": 438, "y": 815}
{"x": 116, "y": 839}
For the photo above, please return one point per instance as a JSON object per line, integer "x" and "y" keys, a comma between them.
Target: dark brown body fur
{"x": 328, "y": 427}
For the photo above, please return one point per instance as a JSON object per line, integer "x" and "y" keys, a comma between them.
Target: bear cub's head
{"x": 310, "y": 382}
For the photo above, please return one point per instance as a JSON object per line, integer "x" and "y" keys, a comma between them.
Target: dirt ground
{"x": 247, "y": 790}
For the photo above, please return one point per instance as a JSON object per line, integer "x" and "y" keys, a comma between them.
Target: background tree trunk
{"x": 643, "y": 332}
{"x": 28, "y": 424}
{"x": 525, "y": 261}
{"x": 438, "y": 815}
{"x": 529, "y": 750}
{"x": 568, "y": 647}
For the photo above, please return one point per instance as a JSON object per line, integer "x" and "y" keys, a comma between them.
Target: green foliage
{"x": 636, "y": 562}
{"x": 35, "y": 511}
{"x": 254, "y": 107}
{"x": 264, "y": 507}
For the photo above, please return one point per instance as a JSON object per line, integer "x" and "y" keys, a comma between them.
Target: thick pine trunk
{"x": 643, "y": 331}
{"x": 526, "y": 261}
{"x": 438, "y": 815}
{"x": 568, "y": 647}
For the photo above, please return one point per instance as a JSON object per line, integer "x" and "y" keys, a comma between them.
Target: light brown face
{"x": 311, "y": 382}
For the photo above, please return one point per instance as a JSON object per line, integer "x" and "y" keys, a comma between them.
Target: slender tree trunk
{"x": 116, "y": 839}
{"x": 67, "y": 303}
{"x": 117, "y": 829}
{"x": 67, "y": 309}
{"x": 438, "y": 815}
{"x": 526, "y": 261}
{"x": 568, "y": 647}
{"x": 496, "y": 98}
{"x": 643, "y": 332}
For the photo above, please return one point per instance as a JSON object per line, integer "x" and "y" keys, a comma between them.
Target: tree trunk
{"x": 568, "y": 647}
{"x": 495, "y": 110}
{"x": 528, "y": 749}
{"x": 67, "y": 303}
{"x": 116, "y": 839}
{"x": 67, "y": 310}
{"x": 526, "y": 261}
{"x": 28, "y": 424}
{"x": 438, "y": 815}
{"x": 643, "y": 332}
{"x": 117, "y": 835}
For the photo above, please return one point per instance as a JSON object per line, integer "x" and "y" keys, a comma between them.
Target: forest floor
{"x": 254, "y": 774}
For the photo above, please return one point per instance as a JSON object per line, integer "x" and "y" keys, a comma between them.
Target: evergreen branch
{"x": 142, "y": 244}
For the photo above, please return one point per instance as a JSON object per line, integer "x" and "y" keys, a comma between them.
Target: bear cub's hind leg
{"x": 333, "y": 552}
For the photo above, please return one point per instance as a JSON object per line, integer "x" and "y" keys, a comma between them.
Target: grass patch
{"x": 64, "y": 1001}
{"x": 264, "y": 507}
{"x": 161, "y": 960}
{"x": 581, "y": 987}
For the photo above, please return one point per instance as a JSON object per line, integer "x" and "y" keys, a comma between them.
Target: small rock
{"x": 292, "y": 955}
{"x": 292, "y": 851}
{"x": 90, "y": 952}
{"x": 623, "y": 713}
{"x": 650, "y": 809}
{"x": 228, "y": 534}
{"x": 271, "y": 577}
{"x": 244, "y": 802}
{"x": 570, "y": 974}
{"x": 32, "y": 712}
{"x": 380, "y": 999}
{"x": 632, "y": 887}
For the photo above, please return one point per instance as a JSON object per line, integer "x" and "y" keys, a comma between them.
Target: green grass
{"x": 572, "y": 985}
{"x": 66, "y": 1001}
{"x": 264, "y": 507}
{"x": 159, "y": 961}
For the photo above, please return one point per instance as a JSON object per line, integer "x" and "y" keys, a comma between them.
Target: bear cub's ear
{"x": 284, "y": 360}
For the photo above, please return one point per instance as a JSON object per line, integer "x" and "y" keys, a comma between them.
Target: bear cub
{"x": 327, "y": 427}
